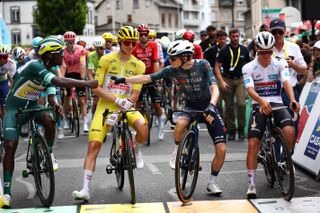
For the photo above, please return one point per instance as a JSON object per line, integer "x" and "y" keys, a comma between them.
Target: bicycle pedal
{"x": 109, "y": 169}
{"x": 25, "y": 173}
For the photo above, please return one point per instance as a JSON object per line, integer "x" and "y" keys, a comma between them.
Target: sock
{"x": 160, "y": 121}
{"x": 252, "y": 177}
{"x": 137, "y": 147}
{"x": 7, "y": 181}
{"x": 59, "y": 122}
{"x": 87, "y": 179}
{"x": 213, "y": 177}
{"x": 50, "y": 145}
{"x": 85, "y": 119}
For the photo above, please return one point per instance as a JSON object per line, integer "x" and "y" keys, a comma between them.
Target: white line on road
{"x": 153, "y": 169}
{"x": 31, "y": 189}
{"x": 173, "y": 193}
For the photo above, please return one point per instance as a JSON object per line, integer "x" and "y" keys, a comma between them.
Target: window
{"x": 135, "y": 4}
{"x": 240, "y": 2}
{"x": 226, "y": 14}
{"x": 129, "y": 18}
{"x": 108, "y": 3}
{"x": 213, "y": 16}
{"x": 90, "y": 17}
{"x": 169, "y": 20}
{"x": 16, "y": 36}
{"x": 118, "y": 4}
{"x": 109, "y": 18}
{"x": 34, "y": 9}
{"x": 15, "y": 14}
{"x": 185, "y": 15}
{"x": 212, "y": 2}
{"x": 163, "y": 19}
{"x": 240, "y": 16}
{"x": 176, "y": 22}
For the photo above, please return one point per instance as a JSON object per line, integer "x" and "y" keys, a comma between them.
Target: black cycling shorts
{"x": 81, "y": 91}
{"x": 153, "y": 92}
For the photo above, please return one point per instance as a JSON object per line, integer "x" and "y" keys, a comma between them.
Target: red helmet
{"x": 69, "y": 36}
{"x": 188, "y": 35}
{"x": 143, "y": 28}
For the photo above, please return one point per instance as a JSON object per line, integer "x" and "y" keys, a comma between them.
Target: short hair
{"x": 211, "y": 27}
{"x": 233, "y": 30}
{"x": 221, "y": 33}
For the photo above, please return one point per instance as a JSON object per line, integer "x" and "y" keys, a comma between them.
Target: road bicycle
{"x": 147, "y": 111}
{"x": 275, "y": 156}
{"x": 38, "y": 159}
{"x": 1, "y": 141}
{"x": 122, "y": 153}
{"x": 188, "y": 159}
{"x": 73, "y": 114}
{"x": 166, "y": 98}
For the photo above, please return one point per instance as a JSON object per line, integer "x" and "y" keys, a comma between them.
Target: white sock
{"x": 252, "y": 177}
{"x": 213, "y": 179}
{"x": 87, "y": 179}
{"x": 160, "y": 121}
{"x": 85, "y": 119}
{"x": 137, "y": 147}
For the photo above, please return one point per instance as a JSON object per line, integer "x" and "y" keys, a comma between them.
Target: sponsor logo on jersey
{"x": 273, "y": 76}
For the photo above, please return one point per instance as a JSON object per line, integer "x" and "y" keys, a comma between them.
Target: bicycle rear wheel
{"x": 130, "y": 163}
{"x": 43, "y": 171}
{"x": 116, "y": 159}
{"x": 283, "y": 165}
{"x": 166, "y": 101}
{"x": 187, "y": 167}
{"x": 267, "y": 162}
{"x": 149, "y": 117}
{"x": 76, "y": 120}
{"x": 1, "y": 141}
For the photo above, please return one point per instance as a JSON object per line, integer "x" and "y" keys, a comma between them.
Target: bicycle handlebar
{"x": 170, "y": 114}
{"x": 118, "y": 111}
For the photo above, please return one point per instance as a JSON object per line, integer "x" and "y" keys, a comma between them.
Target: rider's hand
{"x": 265, "y": 108}
{"x": 58, "y": 109}
{"x": 125, "y": 104}
{"x": 92, "y": 84}
{"x": 224, "y": 86}
{"x": 210, "y": 113}
{"x": 295, "y": 106}
{"x": 118, "y": 80}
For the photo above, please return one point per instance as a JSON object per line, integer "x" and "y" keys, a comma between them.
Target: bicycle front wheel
{"x": 130, "y": 163}
{"x": 187, "y": 167}
{"x": 76, "y": 120}
{"x": 43, "y": 171}
{"x": 283, "y": 164}
{"x": 267, "y": 162}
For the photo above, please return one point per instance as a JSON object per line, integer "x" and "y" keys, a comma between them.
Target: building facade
{"x": 18, "y": 16}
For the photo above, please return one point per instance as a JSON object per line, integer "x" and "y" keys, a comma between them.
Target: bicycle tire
{"x": 149, "y": 117}
{"x": 76, "y": 119}
{"x": 116, "y": 156}
{"x": 267, "y": 163}
{"x": 166, "y": 101}
{"x": 130, "y": 163}
{"x": 42, "y": 164}
{"x": 1, "y": 141}
{"x": 187, "y": 163}
{"x": 283, "y": 171}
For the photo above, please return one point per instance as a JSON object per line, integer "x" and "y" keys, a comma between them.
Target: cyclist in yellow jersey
{"x": 113, "y": 97}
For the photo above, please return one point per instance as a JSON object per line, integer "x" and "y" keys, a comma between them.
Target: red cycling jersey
{"x": 197, "y": 52}
{"x": 73, "y": 61}
{"x": 149, "y": 55}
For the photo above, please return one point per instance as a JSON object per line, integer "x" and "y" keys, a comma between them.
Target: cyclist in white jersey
{"x": 263, "y": 78}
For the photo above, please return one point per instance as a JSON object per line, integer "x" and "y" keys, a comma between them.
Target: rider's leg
{"x": 49, "y": 128}
{"x": 289, "y": 132}
{"x": 8, "y": 164}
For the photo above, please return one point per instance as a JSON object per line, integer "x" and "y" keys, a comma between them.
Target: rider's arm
{"x": 83, "y": 67}
{"x": 63, "y": 68}
{"x": 289, "y": 91}
{"x": 52, "y": 100}
{"x": 214, "y": 94}
{"x": 134, "y": 96}
{"x": 68, "y": 82}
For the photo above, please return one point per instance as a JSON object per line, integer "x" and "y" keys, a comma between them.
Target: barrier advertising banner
{"x": 306, "y": 152}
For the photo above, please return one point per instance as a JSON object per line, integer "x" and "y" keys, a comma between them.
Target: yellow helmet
{"x": 128, "y": 33}
{"x": 108, "y": 36}
{"x": 50, "y": 44}
{"x": 152, "y": 34}
{"x": 115, "y": 40}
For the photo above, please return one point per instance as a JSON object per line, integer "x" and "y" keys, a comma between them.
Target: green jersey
{"x": 29, "y": 81}
{"x": 93, "y": 61}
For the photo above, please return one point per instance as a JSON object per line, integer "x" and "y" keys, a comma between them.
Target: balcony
{"x": 226, "y": 3}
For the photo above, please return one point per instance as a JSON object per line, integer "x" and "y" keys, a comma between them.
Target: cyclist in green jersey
{"x": 29, "y": 80}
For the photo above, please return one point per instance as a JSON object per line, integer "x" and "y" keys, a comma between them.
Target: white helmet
{"x": 164, "y": 41}
{"x": 264, "y": 40}
{"x": 99, "y": 42}
{"x": 179, "y": 34}
{"x": 17, "y": 52}
{"x": 4, "y": 50}
{"x": 179, "y": 47}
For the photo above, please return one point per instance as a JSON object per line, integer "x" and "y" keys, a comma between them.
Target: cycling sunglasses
{"x": 100, "y": 48}
{"x": 265, "y": 52}
{"x": 143, "y": 34}
{"x": 128, "y": 42}
{"x": 280, "y": 32}
{"x": 173, "y": 58}
{"x": 60, "y": 52}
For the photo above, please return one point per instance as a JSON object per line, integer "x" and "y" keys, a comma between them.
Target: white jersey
{"x": 9, "y": 69}
{"x": 267, "y": 81}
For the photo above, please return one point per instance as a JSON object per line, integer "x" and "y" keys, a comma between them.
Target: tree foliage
{"x": 55, "y": 17}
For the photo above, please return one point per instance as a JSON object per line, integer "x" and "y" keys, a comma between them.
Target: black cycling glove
{"x": 118, "y": 80}
{"x": 211, "y": 110}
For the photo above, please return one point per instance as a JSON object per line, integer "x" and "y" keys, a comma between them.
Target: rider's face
{"x": 57, "y": 57}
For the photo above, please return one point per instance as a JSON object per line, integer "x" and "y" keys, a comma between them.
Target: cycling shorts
{"x": 4, "y": 89}
{"x": 217, "y": 130}
{"x": 153, "y": 92}
{"x": 282, "y": 118}
{"x": 97, "y": 131}
{"x": 81, "y": 91}
{"x": 11, "y": 131}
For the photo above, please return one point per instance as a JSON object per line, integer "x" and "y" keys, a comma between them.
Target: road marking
{"x": 154, "y": 170}
{"x": 173, "y": 193}
{"x": 139, "y": 208}
{"x": 221, "y": 206}
{"x": 31, "y": 189}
